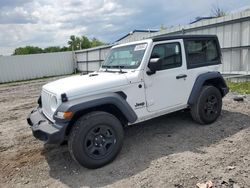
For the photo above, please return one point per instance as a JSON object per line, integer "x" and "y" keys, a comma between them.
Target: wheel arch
{"x": 210, "y": 78}
{"x": 113, "y": 103}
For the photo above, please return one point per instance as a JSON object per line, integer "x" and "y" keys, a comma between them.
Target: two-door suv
{"x": 137, "y": 81}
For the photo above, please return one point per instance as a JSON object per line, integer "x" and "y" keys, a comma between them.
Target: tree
{"x": 95, "y": 42}
{"x": 216, "y": 11}
{"x": 74, "y": 42}
{"x": 85, "y": 43}
{"x": 52, "y": 49}
{"x": 28, "y": 50}
{"x": 64, "y": 48}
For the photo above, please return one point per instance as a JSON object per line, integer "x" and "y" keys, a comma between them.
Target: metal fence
{"x": 233, "y": 32}
{"x": 24, "y": 67}
{"x": 90, "y": 60}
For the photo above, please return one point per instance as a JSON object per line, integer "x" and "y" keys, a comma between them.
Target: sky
{"x": 46, "y": 23}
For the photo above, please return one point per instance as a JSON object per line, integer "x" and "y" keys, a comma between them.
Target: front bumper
{"x": 45, "y": 130}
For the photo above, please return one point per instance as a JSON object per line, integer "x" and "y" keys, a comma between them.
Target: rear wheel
{"x": 208, "y": 106}
{"x": 96, "y": 139}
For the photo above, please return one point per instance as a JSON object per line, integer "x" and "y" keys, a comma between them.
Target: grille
{"x": 46, "y": 101}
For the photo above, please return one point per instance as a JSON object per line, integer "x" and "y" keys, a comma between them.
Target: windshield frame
{"x": 115, "y": 67}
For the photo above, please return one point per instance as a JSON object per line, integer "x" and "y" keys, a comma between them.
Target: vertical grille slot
{"x": 46, "y": 98}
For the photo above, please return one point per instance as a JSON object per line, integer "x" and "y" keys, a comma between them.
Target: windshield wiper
{"x": 114, "y": 66}
{"x": 120, "y": 68}
{"x": 106, "y": 66}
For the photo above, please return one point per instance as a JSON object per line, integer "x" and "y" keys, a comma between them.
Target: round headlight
{"x": 53, "y": 103}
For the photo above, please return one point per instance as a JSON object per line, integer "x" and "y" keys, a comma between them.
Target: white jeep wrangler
{"x": 137, "y": 81}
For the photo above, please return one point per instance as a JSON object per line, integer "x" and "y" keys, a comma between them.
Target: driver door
{"x": 166, "y": 88}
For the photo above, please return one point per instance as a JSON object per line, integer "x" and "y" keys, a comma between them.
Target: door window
{"x": 169, "y": 53}
{"x": 202, "y": 52}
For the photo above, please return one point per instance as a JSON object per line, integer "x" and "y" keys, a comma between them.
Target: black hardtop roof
{"x": 172, "y": 37}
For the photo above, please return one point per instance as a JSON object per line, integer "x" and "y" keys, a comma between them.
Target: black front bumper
{"x": 45, "y": 130}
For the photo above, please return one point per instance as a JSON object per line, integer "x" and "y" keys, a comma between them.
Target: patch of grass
{"x": 240, "y": 87}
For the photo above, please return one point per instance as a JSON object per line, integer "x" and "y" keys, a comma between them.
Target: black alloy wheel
{"x": 95, "y": 139}
{"x": 100, "y": 141}
{"x": 211, "y": 106}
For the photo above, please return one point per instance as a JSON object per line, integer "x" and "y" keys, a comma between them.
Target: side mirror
{"x": 154, "y": 65}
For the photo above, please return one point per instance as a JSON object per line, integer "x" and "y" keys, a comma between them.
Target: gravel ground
{"x": 169, "y": 151}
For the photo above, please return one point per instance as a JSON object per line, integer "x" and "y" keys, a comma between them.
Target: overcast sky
{"x": 46, "y": 23}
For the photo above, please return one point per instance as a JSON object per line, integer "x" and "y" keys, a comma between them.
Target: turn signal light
{"x": 67, "y": 115}
{"x": 64, "y": 115}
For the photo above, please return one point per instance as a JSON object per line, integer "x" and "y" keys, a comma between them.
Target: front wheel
{"x": 208, "y": 106}
{"x": 95, "y": 139}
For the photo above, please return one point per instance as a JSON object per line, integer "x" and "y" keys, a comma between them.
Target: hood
{"x": 84, "y": 84}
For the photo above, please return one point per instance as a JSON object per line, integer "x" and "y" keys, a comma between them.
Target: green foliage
{"x": 36, "y": 50}
{"x": 64, "y": 49}
{"x": 83, "y": 42}
{"x": 95, "y": 42}
{"x": 75, "y": 43}
{"x": 28, "y": 50}
{"x": 52, "y": 49}
{"x": 240, "y": 87}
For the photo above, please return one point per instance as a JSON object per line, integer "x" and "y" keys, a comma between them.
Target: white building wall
{"x": 24, "y": 67}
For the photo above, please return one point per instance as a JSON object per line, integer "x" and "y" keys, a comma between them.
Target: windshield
{"x": 128, "y": 57}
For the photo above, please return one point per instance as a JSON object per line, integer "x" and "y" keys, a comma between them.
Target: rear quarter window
{"x": 202, "y": 52}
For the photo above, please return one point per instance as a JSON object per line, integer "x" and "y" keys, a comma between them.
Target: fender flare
{"x": 199, "y": 82}
{"x": 98, "y": 100}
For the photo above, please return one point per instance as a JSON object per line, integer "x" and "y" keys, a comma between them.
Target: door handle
{"x": 181, "y": 76}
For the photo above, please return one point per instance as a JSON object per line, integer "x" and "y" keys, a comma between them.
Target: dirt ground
{"x": 169, "y": 151}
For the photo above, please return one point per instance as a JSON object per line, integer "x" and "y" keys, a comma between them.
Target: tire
{"x": 208, "y": 105}
{"x": 95, "y": 139}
